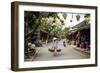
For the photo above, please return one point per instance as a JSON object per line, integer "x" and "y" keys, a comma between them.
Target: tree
{"x": 66, "y": 32}
{"x": 38, "y": 20}
{"x": 46, "y": 26}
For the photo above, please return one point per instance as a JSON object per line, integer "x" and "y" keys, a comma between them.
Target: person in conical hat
{"x": 55, "y": 45}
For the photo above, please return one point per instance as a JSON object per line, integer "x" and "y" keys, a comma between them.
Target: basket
{"x": 58, "y": 50}
{"x": 51, "y": 50}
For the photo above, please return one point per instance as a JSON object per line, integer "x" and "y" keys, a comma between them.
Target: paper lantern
{"x": 78, "y": 17}
{"x": 64, "y": 15}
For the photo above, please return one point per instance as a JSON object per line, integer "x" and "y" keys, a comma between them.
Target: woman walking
{"x": 55, "y": 46}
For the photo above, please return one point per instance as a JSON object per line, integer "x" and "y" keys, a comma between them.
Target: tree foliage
{"x": 66, "y": 32}
{"x": 40, "y": 19}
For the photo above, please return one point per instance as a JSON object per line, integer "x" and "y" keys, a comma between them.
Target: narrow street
{"x": 72, "y": 26}
{"x": 67, "y": 52}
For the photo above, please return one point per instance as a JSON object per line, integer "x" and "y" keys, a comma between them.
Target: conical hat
{"x": 54, "y": 38}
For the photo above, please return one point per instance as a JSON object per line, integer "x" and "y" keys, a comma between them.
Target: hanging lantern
{"x": 62, "y": 22}
{"x": 64, "y": 15}
{"x": 54, "y": 20}
{"x": 72, "y": 18}
{"x": 78, "y": 17}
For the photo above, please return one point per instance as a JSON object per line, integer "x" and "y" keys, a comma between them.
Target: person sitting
{"x": 64, "y": 43}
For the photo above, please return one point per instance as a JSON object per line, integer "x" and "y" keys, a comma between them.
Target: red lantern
{"x": 62, "y": 22}
{"x": 53, "y": 21}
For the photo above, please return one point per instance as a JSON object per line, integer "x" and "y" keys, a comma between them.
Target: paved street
{"x": 67, "y": 53}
